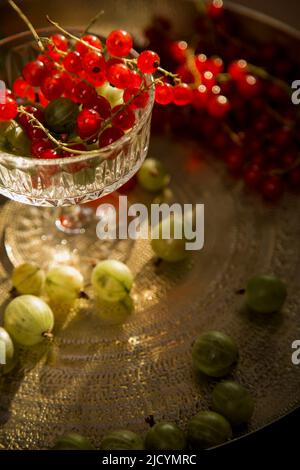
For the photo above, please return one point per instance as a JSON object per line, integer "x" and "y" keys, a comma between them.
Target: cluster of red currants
{"x": 242, "y": 111}
{"x": 80, "y": 73}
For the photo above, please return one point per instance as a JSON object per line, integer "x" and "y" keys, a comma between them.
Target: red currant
{"x": 8, "y": 110}
{"x": 200, "y": 97}
{"x": 182, "y": 94}
{"x": 42, "y": 99}
{"x": 235, "y": 160}
{"x": 88, "y": 123}
{"x": 215, "y": 65}
{"x": 48, "y": 62}
{"x": 109, "y": 136}
{"x": 208, "y": 79}
{"x": 49, "y": 153}
{"x": 101, "y": 105}
{"x": 185, "y": 74}
{"x": 148, "y": 62}
{"x": 119, "y": 43}
{"x": 178, "y": 51}
{"x": 249, "y": 86}
{"x": 39, "y": 146}
{"x": 218, "y": 106}
{"x": 136, "y": 79}
{"x": 81, "y": 147}
{"x": 138, "y": 99}
{"x": 119, "y": 75}
{"x": 272, "y": 188}
{"x": 201, "y": 62}
{"x": 60, "y": 41}
{"x": 94, "y": 62}
{"x": 123, "y": 119}
{"x": 23, "y": 90}
{"x": 294, "y": 177}
{"x": 215, "y": 9}
{"x": 84, "y": 93}
{"x": 34, "y": 72}
{"x": 52, "y": 87}
{"x": 73, "y": 62}
{"x": 164, "y": 93}
{"x": 238, "y": 69}
{"x": 35, "y": 133}
{"x": 90, "y": 39}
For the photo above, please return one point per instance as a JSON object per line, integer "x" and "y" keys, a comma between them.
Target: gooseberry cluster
{"x": 239, "y": 99}
{"x": 81, "y": 93}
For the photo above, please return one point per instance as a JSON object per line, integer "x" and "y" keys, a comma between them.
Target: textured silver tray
{"x": 99, "y": 376}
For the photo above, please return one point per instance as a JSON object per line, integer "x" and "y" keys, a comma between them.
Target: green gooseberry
{"x": 214, "y": 353}
{"x": 265, "y": 294}
{"x": 208, "y": 429}
{"x": 165, "y": 436}
{"x": 122, "y": 440}
{"x": 233, "y": 401}
{"x": 61, "y": 114}
{"x": 152, "y": 175}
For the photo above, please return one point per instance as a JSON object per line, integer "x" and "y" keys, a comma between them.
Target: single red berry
{"x": 88, "y": 123}
{"x": 249, "y": 86}
{"x": 119, "y": 43}
{"x": 42, "y": 99}
{"x": 208, "y": 79}
{"x": 81, "y": 147}
{"x": 101, "y": 105}
{"x": 73, "y": 62}
{"x": 215, "y": 65}
{"x": 109, "y": 136}
{"x": 35, "y": 133}
{"x": 90, "y": 39}
{"x": 164, "y": 93}
{"x": 8, "y": 110}
{"x": 135, "y": 79}
{"x": 94, "y": 62}
{"x": 39, "y": 146}
{"x": 52, "y": 87}
{"x": 215, "y": 9}
{"x": 238, "y": 69}
{"x": 84, "y": 93}
{"x": 272, "y": 188}
{"x": 182, "y": 94}
{"x": 24, "y": 120}
{"x": 185, "y": 74}
{"x": 49, "y": 153}
{"x": 148, "y": 62}
{"x": 48, "y": 62}
{"x": 288, "y": 160}
{"x": 96, "y": 79}
{"x": 60, "y": 41}
{"x": 252, "y": 175}
{"x": 235, "y": 160}
{"x": 178, "y": 51}
{"x": 201, "y": 62}
{"x": 23, "y": 90}
{"x": 113, "y": 61}
{"x": 119, "y": 75}
{"x": 124, "y": 119}
{"x": 218, "y": 106}
{"x": 136, "y": 98}
{"x": 200, "y": 97}
{"x": 9, "y": 93}
{"x": 35, "y": 72}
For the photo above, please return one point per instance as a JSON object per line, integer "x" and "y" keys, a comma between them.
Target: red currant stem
{"x": 166, "y": 73}
{"x": 232, "y": 134}
{"x": 70, "y": 35}
{"x": 264, "y": 74}
{"x": 28, "y": 23}
{"x": 92, "y": 22}
{"x": 192, "y": 67}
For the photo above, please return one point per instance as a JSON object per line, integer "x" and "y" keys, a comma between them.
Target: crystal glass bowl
{"x": 70, "y": 180}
